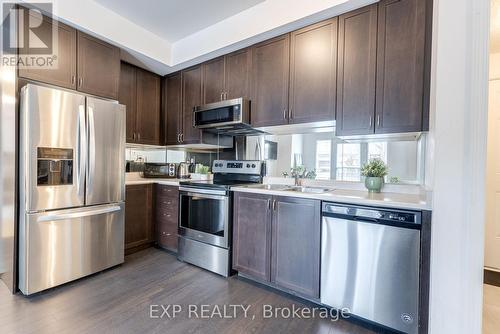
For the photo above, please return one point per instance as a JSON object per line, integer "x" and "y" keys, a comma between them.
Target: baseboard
{"x": 492, "y": 277}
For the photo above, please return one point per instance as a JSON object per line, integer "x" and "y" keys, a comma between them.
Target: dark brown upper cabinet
{"x": 191, "y": 97}
{"x": 213, "y": 80}
{"x": 400, "y": 66}
{"x": 238, "y": 74}
{"x": 296, "y": 239}
{"x": 252, "y": 235}
{"x": 127, "y": 95}
{"x": 173, "y": 108}
{"x": 64, "y": 73}
{"x": 227, "y": 77}
{"x": 148, "y": 107}
{"x": 357, "y": 47}
{"x": 140, "y": 93}
{"x": 270, "y": 76}
{"x": 98, "y": 67}
{"x": 313, "y": 72}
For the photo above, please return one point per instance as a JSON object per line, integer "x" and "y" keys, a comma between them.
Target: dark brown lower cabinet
{"x": 138, "y": 217}
{"x": 252, "y": 235}
{"x": 166, "y": 216}
{"x": 277, "y": 239}
{"x": 296, "y": 237}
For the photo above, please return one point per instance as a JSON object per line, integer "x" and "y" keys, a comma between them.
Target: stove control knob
{"x": 248, "y": 165}
{"x": 253, "y": 165}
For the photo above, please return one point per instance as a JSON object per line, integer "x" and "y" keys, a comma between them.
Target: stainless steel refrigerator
{"x": 71, "y": 186}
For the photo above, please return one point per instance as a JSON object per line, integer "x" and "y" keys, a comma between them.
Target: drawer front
{"x": 167, "y": 191}
{"x": 167, "y": 202}
{"x": 167, "y": 217}
{"x": 167, "y": 236}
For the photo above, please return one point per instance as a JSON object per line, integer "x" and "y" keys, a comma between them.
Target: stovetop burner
{"x": 230, "y": 173}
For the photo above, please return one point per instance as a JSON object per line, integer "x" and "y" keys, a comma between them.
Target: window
{"x": 377, "y": 151}
{"x": 323, "y": 159}
{"x": 348, "y": 166}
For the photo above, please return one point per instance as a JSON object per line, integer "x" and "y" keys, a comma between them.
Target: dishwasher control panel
{"x": 372, "y": 214}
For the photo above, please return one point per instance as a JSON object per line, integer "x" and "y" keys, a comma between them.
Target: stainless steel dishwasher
{"x": 370, "y": 263}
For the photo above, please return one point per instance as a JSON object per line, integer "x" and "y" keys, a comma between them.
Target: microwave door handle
{"x": 81, "y": 150}
{"x": 91, "y": 152}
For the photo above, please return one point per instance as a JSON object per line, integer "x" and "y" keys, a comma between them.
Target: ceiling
{"x": 173, "y": 20}
{"x": 495, "y": 27}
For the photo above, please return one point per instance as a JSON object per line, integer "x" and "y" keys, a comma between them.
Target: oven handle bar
{"x": 196, "y": 196}
{"x": 197, "y": 191}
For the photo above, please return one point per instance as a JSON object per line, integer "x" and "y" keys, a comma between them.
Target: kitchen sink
{"x": 310, "y": 190}
{"x": 271, "y": 186}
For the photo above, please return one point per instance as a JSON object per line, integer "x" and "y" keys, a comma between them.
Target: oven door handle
{"x": 201, "y": 196}
{"x": 203, "y": 191}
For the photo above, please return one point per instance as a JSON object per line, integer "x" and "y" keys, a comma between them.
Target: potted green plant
{"x": 374, "y": 172}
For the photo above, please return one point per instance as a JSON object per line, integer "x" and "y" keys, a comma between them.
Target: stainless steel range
{"x": 205, "y": 215}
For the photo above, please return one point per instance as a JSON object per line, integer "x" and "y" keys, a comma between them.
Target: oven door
{"x": 204, "y": 215}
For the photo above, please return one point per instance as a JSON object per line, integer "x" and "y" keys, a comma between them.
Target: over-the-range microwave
{"x": 230, "y": 117}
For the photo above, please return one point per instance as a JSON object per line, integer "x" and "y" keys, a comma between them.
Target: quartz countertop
{"x": 349, "y": 196}
{"x": 413, "y": 201}
{"x": 136, "y": 178}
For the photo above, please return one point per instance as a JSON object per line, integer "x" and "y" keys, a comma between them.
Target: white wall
{"x": 457, "y": 166}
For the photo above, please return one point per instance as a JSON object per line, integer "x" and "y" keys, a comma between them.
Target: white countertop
{"x": 349, "y": 196}
{"x": 136, "y": 178}
{"x": 414, "y": 201}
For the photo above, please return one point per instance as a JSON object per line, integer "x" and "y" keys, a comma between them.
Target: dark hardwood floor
{"x": 118, "y": 301}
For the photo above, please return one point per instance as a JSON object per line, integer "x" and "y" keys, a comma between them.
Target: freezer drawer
{"x": 373, "y": 270}
{"x": 60, "y": 246}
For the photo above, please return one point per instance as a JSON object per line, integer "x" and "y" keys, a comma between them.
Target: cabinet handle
{"x": 225, "y": 95}
{"x": 284, "y": 113}
{"x": 371, "y": 121}
{"x": 133, "y": 136}
{"x": 274, "y": 205}
{"x": 139, "y": 136}
{"x": 80, "y": 82}
{"x": 182, "y": 138}
{"x": 290, "y": 115}
{"x": 269, "y": 204}
{"x": 73, "y": 79}
{"x": 222, "y": 96}
{"x": 378, "y": 121}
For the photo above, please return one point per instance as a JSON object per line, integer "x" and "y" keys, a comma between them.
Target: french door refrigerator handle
{"x": 91, "y": 150}
{"x": 80, "y": 214}
{"x": 81, "y": 150}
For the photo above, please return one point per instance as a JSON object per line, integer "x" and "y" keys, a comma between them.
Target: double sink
{"x": 300, "y": 189}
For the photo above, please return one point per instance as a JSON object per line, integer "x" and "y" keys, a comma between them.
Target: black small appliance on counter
{"x": 160, "y": 170}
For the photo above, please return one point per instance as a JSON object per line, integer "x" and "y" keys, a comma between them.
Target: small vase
{"x": 374, "y": 184}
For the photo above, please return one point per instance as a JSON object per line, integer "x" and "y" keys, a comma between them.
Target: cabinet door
{"x": 356, "y": 71}
{"x": 213, "y": 80}
{"x": 313, "y": 73}
{"x": 296, "y": 236}
{"x": 127, "y": 96}
{"x": 98, "y": 67}
{"x": 148, "y": 107}
{"x": 270, "y": 82}
{"x": 167, "y": 215}
{"x": 252, "y": 235}
{"x": 238, "y": 74}
{"x": 400, "y": 66}
{"x": 64, "y": 74}
{"x": 191, "y": 97}
{"x": 173, "y": 106}
{"x": 138, "y": 220}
